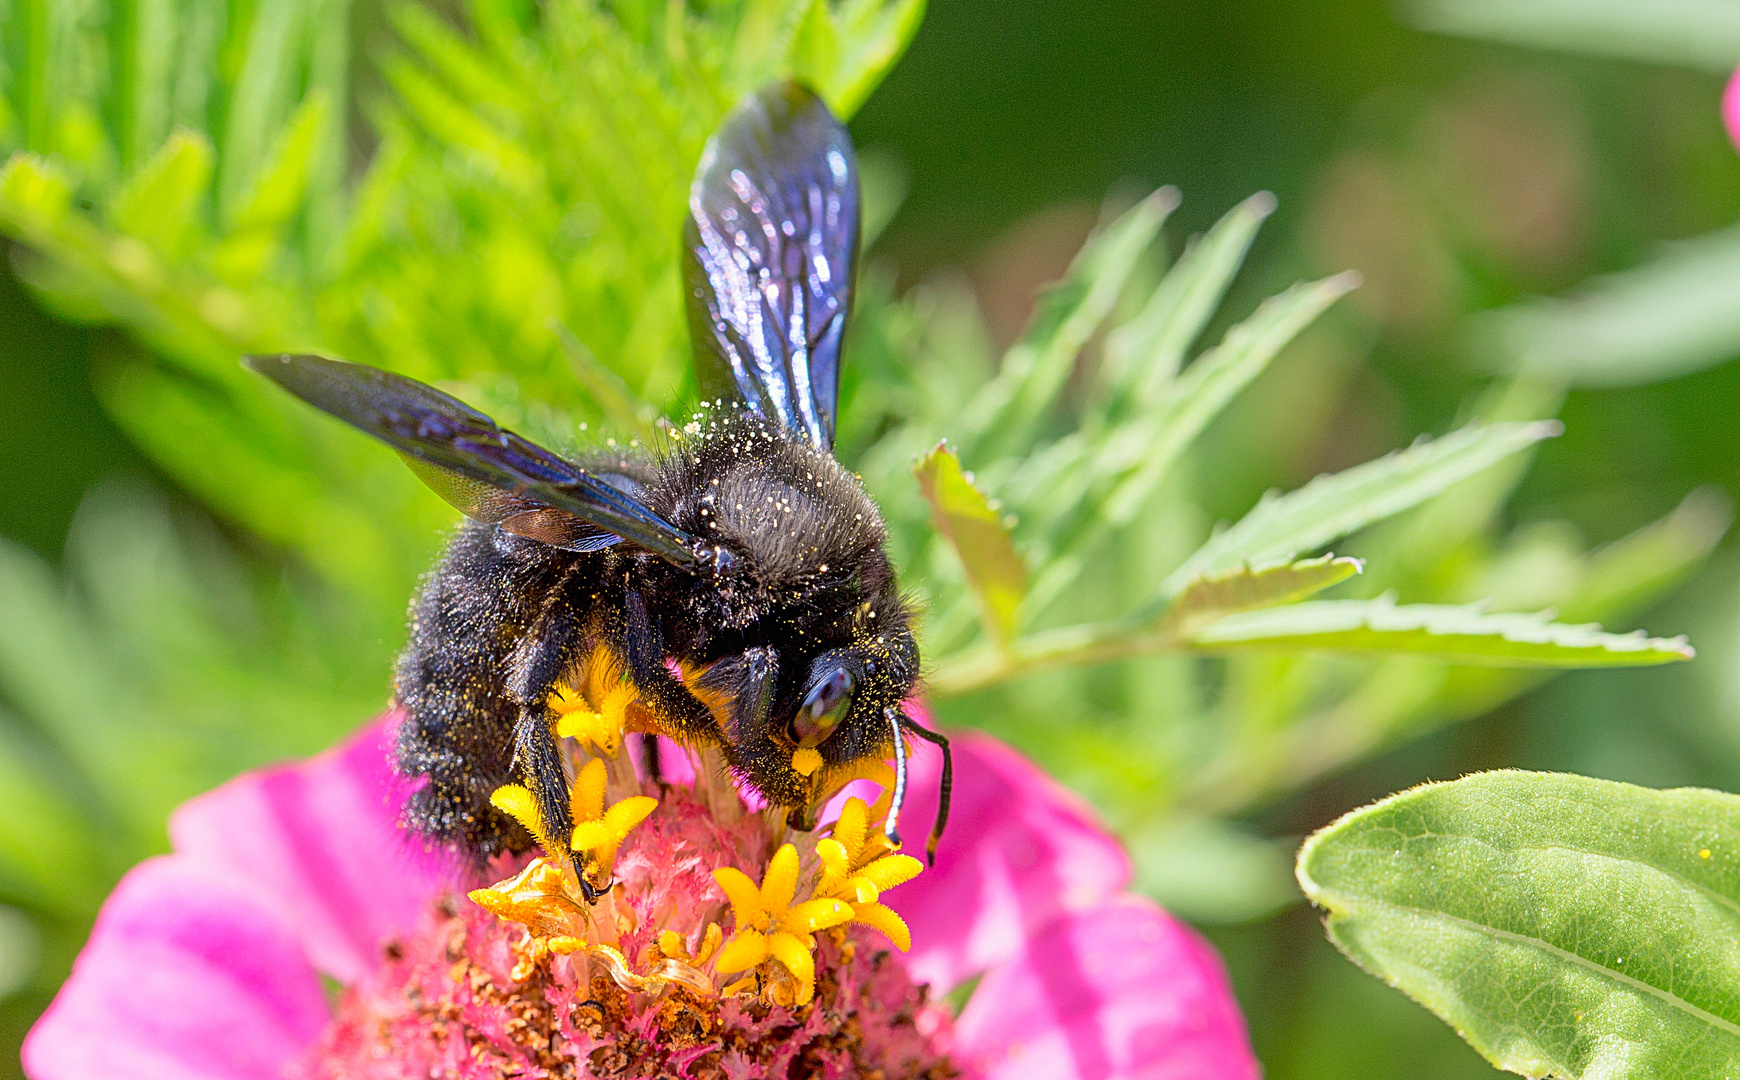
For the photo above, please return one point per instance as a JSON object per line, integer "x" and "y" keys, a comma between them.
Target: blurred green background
{"x": 1458, "y": 175}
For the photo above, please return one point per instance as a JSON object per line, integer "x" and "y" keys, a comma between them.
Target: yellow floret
{"x": 772, "y": 928}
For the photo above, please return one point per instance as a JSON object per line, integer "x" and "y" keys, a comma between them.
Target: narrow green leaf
{"x": 1455, "y": 634}
{"x": 872, "y": 36}
{"x": 35, "y": 194}
{"x": 1666, "y": 318}
{"x": 1699, "y": 33}
{"x": 160, "y": 202}
{"x": 1209, "y": 599}
{"x": 260, "y": 96}
{"x": 275, "y": 192}
{"x": 1647, "y": 563}
{"x": 1144, "y": 452}
{"x": 1330, "y": 507}
{"x": 1564, "y": 926}
{"x": 1146, "y": 352}
{"x": 1067, "y": 314}
{"x": 981, "y": 539}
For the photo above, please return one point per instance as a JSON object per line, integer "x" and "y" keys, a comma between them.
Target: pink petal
{"x": 1121, "y": 991}
{"x": 320, "y": 845}
{"x": 1731, "y": 107}
{"x": 1019, "y": 851}
{"x": 185, "y": 977}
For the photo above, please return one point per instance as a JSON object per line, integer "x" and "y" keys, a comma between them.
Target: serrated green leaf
{"x": 1330, "y": 507}
{"x": 1142, "y": 454}
{"x": 1454, "y": 634}
{"x": 160, "y": 202}
{"x": 1145, "y": 353}
{"x": 976, "y": 530}
{"x": 1065, "y": 317}
{"x": 1564, "y": 926}
{"x": 260, "y": 95}
{"x": 1209, "y": 599}
{"x": 871, "y": 35}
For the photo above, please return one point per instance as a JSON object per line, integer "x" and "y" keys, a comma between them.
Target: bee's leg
{"x": 649, "y": 756}
{"x": 543, "y": 654}
{"x": 643, "y": 651}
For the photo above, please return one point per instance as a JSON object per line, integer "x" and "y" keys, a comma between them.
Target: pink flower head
{"x": 1731, "y": 107}
{"x": 207, "y": 964}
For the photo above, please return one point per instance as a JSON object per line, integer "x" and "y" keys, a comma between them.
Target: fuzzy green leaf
{"x": 1464, "y": 634}
{"x": 979, "y": 536}
{"x": 1330, "y": 507}
{"x": 1564, "y": 926}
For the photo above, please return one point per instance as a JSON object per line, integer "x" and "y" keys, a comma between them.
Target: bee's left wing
{"x": 485, "y": 470}
{"x": 770, "y": 245}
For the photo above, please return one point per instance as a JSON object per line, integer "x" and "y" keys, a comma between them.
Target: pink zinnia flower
{"x": 208, "y": 964}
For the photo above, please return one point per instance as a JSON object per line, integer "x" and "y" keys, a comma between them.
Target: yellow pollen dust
{"x": 772, "y": 930}
{"x": 806, "y": 760}
{"x": 858, "y": 866}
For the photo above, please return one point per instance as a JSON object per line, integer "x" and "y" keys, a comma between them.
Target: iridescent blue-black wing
{"x": 771, "y": 243}
{"x": 481, "y": 468}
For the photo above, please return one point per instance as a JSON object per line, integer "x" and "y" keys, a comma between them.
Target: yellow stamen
{"x": 595, "y": 714}
{"x": 858, "y": 866}
{"x": 600, "y": 830}
{"x": 672, "y": 945}
{"x": 771, "y": 927}
{"x": 536, "y": 897}
{"x": 518, "y": 803}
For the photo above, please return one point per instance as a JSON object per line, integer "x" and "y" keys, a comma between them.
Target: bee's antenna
{"x": 890, "y": 826}
{"x": 944, "y": 792}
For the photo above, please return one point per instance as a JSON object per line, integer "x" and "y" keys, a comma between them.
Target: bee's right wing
{"x": 770, "y": 246}
{"x": 488, "y": 472}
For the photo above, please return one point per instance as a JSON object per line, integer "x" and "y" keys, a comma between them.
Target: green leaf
{"x": 1146, "y": 352}
{"x": 979, "y": 536}
{"x": 1647, "y": 563}
{"x": 1143, "y": 453}
{"x": 160, "y": 203}
{"x": 1466, "y": 635}
{"x": 1209, "y": 599}
{"x": 1698, "y": 33}
{"x": 1330, "y": 507}
{"x": 1667, "y": 318}
{"x": 1067, "y": 314}
{"x": 1564, "y": 926}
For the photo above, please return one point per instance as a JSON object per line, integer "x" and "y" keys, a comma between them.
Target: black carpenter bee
{"x": 743, "y": 550}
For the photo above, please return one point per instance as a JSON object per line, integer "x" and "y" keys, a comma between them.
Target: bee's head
{"x": 818, "y": 704}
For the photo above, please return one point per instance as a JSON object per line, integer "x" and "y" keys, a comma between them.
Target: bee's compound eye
{"x": 823, "y": 708}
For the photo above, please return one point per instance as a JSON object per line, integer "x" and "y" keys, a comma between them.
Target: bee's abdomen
{"x": 459, "y": 730}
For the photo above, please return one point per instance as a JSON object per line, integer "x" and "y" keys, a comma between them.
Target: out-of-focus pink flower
{"x": 1731, "y": 107}
{"x": 207, "y": 964}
